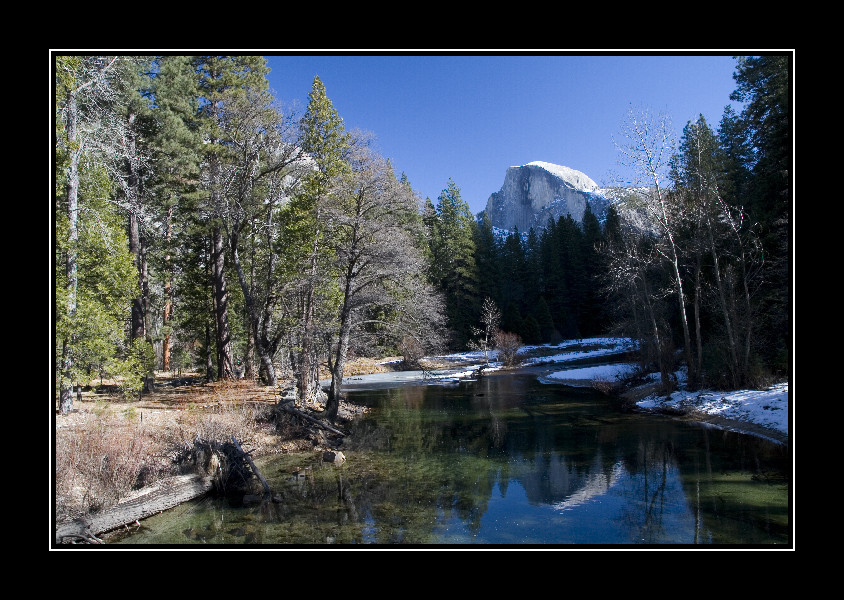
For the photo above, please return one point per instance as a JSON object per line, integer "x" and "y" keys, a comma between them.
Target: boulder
{"x": 338, "y": 458}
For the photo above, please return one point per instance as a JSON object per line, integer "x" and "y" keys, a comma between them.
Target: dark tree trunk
{"x": 137, "y": 302}
{"x": 263, "y": 352}
{"x": 333, "y": 403}
{"x": 225, "y": 367}
{"x": 168, "y": 296}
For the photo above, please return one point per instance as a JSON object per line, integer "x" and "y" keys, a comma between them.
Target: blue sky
{"x": 469, "y": 118}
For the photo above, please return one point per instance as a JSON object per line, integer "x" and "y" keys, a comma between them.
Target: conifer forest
{"x": 199, "y": 227}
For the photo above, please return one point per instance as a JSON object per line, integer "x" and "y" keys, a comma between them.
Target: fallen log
{"x": 157, "y": 498}
{"x": 299, "y": 413}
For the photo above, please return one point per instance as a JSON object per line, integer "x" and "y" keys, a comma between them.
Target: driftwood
{"x": 299, "y": 413}
{"x": 164, "y": 495}
{"x": 218, "y": 466}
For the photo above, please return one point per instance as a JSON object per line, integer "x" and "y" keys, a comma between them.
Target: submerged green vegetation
{"x": 505, "y": 460}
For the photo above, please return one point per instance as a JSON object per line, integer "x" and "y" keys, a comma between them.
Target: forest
{"x": 200, "y": 227}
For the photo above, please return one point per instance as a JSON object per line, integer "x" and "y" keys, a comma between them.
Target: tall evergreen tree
{"x": 176, "y": 148}
{"x": 590, "y": 317}
{"x": 533, "y": 268}
{"x": 545, "y": 322}
{"x": 325, "y": 140}
{"x": 487, "y": 260}
{"x": 223, "y": 79}
{"x": 134, "y": 172}
{"x": 453, "y": 260}
{"x": 764, "y": 85}
{"x": 553, "y": 275}
{"x": 574, "y": 273}
{"x": 512, "y": 269}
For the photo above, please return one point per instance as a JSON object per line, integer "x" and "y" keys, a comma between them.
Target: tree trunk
{"x": 137, "y": 330}
{"x": 684, "y": 321}
{"x": 65, "y": 370}
{"x": 263, "y": 351}
{"x": 333, "y": 403}
{"x": 209, "y": 361}
{"x": 722, "y": 299}
{"x": 225, "y": 367}
{"x": 133, "y": 196}
{"x": 305, "y": 363}
{"x": 664, "y": 371}
{"x": 168, "y": 296}
{"x": 249, "y": 359}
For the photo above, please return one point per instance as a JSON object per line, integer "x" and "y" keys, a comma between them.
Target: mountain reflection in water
{"x": 507, "y": 460}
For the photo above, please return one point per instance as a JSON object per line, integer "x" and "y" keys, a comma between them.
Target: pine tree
{"x": 511, "y": 320}
{"x": 176, "y": 147}
{"x": 533, "y": 268}
{"x": 590, "y": 316}
{"x": 134, "y": 172}
{"x": 764, "y": 85}
{"x": 454, "y": 267}
{"x": 488, "y": 260}
{"x": 554, "y": 287}
{"x": 513, "y": 268}
{"x": 545, "y": 322}
{"x": 223, "y": 80}
{"x": 325, "y": 140}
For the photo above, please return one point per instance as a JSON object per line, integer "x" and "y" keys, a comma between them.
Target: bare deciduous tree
{"x": 84, "y": 93}
{"x": 647, "y": 149}
{"x": 372, "y": 216}
{"x": 484, "y": 338}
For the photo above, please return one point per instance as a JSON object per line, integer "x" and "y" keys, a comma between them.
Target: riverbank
{"x": 108, "y": 447}
{"x": 764, "y": 413}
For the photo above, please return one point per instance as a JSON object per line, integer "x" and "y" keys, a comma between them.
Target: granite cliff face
{"x": 538, "y": 191}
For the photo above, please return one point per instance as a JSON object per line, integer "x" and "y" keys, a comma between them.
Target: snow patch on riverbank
{"x": 768, "y": 408}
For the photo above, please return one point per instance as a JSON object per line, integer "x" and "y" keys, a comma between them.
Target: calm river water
{"x": 507, "y": 460}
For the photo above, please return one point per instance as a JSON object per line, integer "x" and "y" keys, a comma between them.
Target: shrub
{"x": 508, "y": 346}
{"x": 411, "y": 350}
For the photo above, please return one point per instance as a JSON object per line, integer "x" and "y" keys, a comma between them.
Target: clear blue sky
{"x": 469, "y": 118}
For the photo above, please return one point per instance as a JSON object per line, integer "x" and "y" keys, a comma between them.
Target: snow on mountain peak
{"x": 577, "y": 179}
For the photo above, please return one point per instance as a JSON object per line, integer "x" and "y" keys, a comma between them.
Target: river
{"x": 505, "y": 461}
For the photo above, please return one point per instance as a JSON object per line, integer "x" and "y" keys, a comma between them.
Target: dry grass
{"x": 367, "y": 366}
{"x": 108, "y": 447}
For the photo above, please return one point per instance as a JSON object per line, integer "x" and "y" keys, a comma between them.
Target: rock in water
{"x": 337, "y": 458}
{"x": 538, "y": 191}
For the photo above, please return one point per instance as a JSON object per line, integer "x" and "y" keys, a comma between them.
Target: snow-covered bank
{"x": 766, "y": 409}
